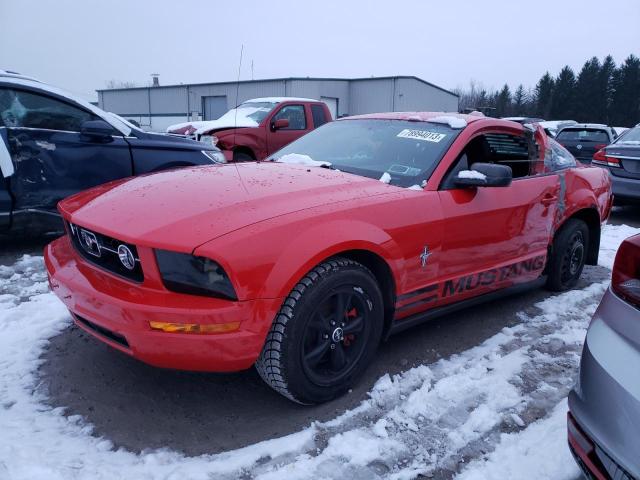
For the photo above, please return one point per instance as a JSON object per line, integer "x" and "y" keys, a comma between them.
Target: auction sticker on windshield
{"x": 423, "y": 135}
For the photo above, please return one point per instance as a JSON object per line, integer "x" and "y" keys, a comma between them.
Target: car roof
{"x": 279, "y": 99}
{"x": 12, "y": 74}
{"x": 437, "y": 117}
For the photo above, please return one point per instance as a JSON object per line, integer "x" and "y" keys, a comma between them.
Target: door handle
{"x": 549, "y": 199}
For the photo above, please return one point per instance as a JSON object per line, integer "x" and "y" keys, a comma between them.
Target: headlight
{"x": 216, "y": 156}
{"x": 185, "y": 273}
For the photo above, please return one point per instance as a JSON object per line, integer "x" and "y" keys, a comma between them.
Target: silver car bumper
{"x": 606, "y": 399}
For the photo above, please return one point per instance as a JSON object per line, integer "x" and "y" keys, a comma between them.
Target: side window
{"x": 557, "y": 157}
{"x": 319, "y": 118}
{"x": 515, "y": 151}
{"x": 19, "y": 108}
{"x": 295, "y": 115}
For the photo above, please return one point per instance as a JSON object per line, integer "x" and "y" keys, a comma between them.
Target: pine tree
{"x": 588, "y": 93}
{"x": 625, "y": 104}
{"x": 503, "y": 102}
{"x": 519, "y": 101}
{"x": 563, "y": 103}
{"x": 544, "y": 96}
{"x": 606, "y": 87}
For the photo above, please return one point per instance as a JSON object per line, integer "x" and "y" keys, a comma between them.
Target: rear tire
{"x": 568, "y": 255}
{"x": 325, "y": 333}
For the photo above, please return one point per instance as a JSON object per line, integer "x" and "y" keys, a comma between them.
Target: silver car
{"x": 604, "y": 406}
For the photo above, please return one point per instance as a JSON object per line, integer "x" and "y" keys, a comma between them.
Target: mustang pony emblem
{"x": 424, "y": 256}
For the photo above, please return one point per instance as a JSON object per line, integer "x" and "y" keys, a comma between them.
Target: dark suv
{"x": 53, "y": 145}
{"x": 585, "y": 139}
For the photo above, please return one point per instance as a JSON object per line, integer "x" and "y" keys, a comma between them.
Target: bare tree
{"x": 111, "y": 84}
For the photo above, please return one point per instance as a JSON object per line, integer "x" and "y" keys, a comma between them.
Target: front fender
{"x": 319, "y": 242}
{"x": 267, "y": 259}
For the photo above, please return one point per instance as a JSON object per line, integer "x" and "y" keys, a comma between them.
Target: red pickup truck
{"x": 259, "y": 127}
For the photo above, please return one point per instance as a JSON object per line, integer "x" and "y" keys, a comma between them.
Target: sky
{"x": 81, "y": 45}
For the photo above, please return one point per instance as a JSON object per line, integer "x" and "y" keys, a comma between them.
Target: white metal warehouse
{"x": 156, "y": 107}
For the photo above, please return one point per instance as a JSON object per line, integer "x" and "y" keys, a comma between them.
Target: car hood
{"x": 184, "y": 208}
{"x": 165, "y": 141}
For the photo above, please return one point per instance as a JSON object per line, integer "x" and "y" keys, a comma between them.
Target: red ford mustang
{"x": 302, "y": 264}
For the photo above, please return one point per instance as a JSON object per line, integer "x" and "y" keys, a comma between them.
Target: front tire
{"x": 325, "y": 333}
{"x": 568, "y": 255}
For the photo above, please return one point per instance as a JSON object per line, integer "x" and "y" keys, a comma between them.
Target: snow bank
{"x": 453, "y": 122}
{"x": 474, "y": 174}
{"x": 427, "y": 420}
{"x": 300, "y": 159}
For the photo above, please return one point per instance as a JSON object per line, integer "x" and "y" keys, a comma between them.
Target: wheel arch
{"x": 375, "y": 249}
{"x": 244, "y": 149}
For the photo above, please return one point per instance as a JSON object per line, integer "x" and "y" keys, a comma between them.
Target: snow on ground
{"x": 493, "y": 411}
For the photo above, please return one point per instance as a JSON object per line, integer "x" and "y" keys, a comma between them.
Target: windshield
{"x": 630, "y": 137}
{"x": 256, "y": 111}
{"x": 402, "y": 153}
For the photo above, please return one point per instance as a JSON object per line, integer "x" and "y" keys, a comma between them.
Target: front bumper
{"x": 605, "y": 402}
{"x": 118, "y": 312}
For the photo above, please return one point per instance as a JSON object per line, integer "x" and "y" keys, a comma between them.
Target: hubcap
{"x": 573, "y": 258}
{"x": 335, "y": 336}
{"x": 576, "y": 258}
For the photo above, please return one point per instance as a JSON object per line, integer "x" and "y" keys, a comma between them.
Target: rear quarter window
{"x": 557, "y": 157}
{"x": 319, "y": 117}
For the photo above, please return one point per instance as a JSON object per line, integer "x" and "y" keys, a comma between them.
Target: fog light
{"x": 194, "y": 327}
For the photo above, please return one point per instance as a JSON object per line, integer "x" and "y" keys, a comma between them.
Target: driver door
{"x": 298, "y": 126}
{"x": 52, "y": 158}
{"x": 495, "y": 237}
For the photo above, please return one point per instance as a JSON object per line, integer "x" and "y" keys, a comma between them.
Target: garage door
{"x": 332, "y": 103}
{"x": 214, "y": 107}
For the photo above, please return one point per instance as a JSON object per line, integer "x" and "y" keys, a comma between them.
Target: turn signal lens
{"x": 625, "y": 278}
{"x": 194, "y": 327}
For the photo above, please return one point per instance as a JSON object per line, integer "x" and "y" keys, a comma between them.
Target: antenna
{"x": 235, "y": 115}
{"x": 251, "y": 69}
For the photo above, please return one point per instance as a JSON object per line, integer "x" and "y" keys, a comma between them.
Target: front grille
{"x": 106, "y": 252}
{"x": 114, "y": 337}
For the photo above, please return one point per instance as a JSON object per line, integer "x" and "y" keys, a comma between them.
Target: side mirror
{"x": 485, "y": 175}
{"x": 97, "y": 130}
{"x": 279, "y": 124}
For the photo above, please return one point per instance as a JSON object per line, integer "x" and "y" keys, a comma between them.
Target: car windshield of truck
{"x": 398, "y": 152}
{"x": 256, "y": 111}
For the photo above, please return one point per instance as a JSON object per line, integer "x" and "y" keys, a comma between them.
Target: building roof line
{"x": 281, "y": 79}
